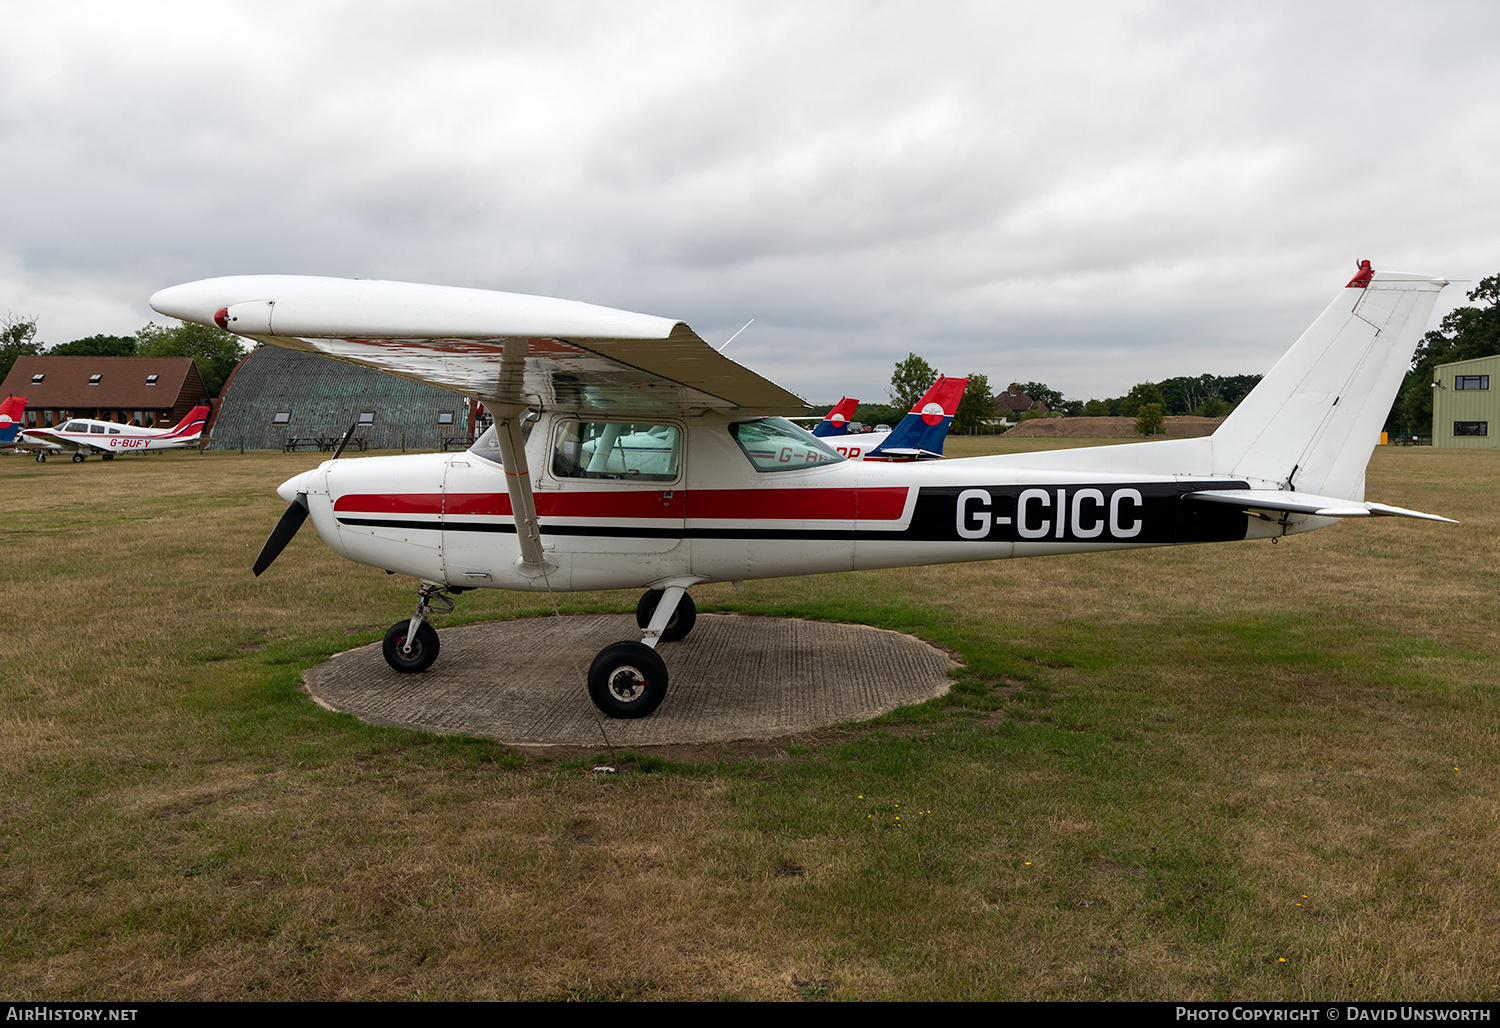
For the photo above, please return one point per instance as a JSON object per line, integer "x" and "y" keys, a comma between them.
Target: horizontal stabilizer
{"x": 1308, "y": 503}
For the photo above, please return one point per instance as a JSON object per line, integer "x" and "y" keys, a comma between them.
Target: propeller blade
{"x": 345, "y": 441}
{"x": 296, "y": 513}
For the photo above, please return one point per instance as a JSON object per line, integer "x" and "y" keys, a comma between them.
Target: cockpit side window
{"x": 775, "y": 444}
{"x": 632, "y": 451}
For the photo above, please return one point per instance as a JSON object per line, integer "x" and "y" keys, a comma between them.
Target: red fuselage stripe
{"x": 885, "y": 504}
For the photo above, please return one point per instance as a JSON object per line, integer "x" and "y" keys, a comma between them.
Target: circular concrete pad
{"x": 734, "y": 677}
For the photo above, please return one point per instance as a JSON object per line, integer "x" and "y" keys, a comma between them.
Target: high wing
{"x": 507, "y": 349}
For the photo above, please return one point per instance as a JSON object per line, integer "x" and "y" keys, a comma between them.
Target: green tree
{"x": 17, "y": 339}
{"x": 215, "y": 351}
{"x": 1096, "y": 409}
{"x": 913, "y": 377}
{"x": 96, "y": 346}
{"x": 976, "y": 406}
{"x": 1050, "y": 398}
{"x": 1142, "y": 393}
{"x": 1151, "y": 419}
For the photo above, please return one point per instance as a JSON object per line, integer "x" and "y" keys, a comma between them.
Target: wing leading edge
{"x": 508, "y": 349}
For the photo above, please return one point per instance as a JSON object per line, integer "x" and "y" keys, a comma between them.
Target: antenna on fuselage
{"x": 736, "y": 335}
{"x": 345, "y": 441}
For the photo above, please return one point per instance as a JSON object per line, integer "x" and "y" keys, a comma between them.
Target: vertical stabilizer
{"x": 1312, "y": 422}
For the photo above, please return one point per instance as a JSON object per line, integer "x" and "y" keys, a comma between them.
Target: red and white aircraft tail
{"x": 11, "y": 410}
{"x": 189, "y": 428}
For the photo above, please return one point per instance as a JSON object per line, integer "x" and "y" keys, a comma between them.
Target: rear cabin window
{"x": 632, "y": 451}
{"x": 775, "y": 444}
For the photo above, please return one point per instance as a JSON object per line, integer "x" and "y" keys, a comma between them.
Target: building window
{"x": 1471, "y": 381}
{"x": 366, "y": 418}
{"x": 1471, "y": 428}
{"x": 94, "y": 379}
{"x": 445, "y": 417}
{"x": 151, "y": 379}
{"x": 37, "y": 378}
{"x": 282, "y": 417}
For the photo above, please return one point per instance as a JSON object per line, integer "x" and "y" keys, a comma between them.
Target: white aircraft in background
{"x": 108, "y": 438}
{"x": 747, "y": 494}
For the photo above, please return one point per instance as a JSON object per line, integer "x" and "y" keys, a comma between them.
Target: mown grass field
{"x": 1246, "y": 771}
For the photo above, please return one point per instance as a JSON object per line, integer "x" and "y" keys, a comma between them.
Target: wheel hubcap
{"x": 627, "y": 684}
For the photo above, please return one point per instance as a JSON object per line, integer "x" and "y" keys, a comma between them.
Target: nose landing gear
{"x": 412, "y": 645}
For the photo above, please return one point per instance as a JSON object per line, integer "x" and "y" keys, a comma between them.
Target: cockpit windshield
{"x": 775, "y": 444}
{"x": 488, "y": 444}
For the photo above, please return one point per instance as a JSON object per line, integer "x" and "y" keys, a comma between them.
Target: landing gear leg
{"x": 629, "y": 679}
{"x": 412, "y": 645}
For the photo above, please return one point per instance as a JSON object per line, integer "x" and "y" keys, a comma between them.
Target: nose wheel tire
{"x": 683, "y": 618}
{"x": 627, "y": 680}
{"x": 424, "y": 648}
{"x": 41, "y": 458}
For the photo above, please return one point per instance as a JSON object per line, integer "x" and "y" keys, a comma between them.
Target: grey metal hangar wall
{"x": 280, "y": 398}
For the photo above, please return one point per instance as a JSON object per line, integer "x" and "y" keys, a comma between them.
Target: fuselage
{"x": 717, "y": 499}
{"x": 87, "y": 434}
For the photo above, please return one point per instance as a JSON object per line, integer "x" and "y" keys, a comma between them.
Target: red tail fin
{"x": 190, "y": 425}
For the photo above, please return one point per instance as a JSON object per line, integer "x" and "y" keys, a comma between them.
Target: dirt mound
{"x": 1111, "y": 428}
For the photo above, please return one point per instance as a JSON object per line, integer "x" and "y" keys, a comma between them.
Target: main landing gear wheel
{"x": 77, "y": 458}
{"x": 627, "y": 680}
{"x": 422, "y": 652}
{"x": 41, "y": 458}
{"x": 107, "y": 456}
{"x": 681, "y": 623}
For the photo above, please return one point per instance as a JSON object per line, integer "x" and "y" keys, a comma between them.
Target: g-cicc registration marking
{"x": 1051, "y": 513}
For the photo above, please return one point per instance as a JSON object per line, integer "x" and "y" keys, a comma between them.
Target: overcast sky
{"x": 1089, "y": 195}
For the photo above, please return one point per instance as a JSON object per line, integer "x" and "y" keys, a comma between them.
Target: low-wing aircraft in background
{"x": 108, "y": 438}
{"x": 919, "y": 435}
{"x": 11, "y": 410}
{"x": 732, "y": 490}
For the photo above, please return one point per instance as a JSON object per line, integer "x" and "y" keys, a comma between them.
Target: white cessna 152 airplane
{"x": 108, "y": 438}
{"x": 548, "y": 500}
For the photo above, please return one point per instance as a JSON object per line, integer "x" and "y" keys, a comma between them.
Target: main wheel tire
{"x": 77, "y": 458}
{"x": 107, "y": 456}
{"x": 683, "y": 618}
{"x": 627, "y": 680}
{"x": 424, "y": 648}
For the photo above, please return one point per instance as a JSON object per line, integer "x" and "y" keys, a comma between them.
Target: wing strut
{"x": 533, "y": 561}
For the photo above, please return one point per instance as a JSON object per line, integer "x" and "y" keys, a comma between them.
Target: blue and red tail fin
{"x": 922, "y": 431}
{"x": 836, "y": 421}
{"x": 11, "y": 410}
{"x": 190, "y": 426}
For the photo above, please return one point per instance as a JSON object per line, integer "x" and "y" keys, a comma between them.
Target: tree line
{"x": 215, "y": 350}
